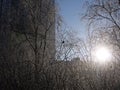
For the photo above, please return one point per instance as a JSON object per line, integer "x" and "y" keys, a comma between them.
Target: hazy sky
{"x": 71, "y": 11}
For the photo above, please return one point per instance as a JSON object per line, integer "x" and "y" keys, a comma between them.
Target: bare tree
{"x": 28, "y": 30}
{"x": 103, "y": 17}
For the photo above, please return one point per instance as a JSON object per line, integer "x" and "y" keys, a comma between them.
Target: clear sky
{"x": 71, "y": 11}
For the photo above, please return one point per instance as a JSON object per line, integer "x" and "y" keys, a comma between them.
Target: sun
{"x": 102, "y": 55}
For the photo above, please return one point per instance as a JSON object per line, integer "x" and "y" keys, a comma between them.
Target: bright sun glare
{"x": 102, "y": 55}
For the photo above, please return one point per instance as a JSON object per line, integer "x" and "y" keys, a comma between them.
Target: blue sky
{"x": 71, "y": 11}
